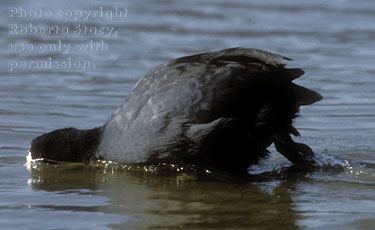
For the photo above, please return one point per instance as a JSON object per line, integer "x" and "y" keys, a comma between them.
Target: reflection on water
{"x": 169, "y": 200}
{"x": 181, "y": 197}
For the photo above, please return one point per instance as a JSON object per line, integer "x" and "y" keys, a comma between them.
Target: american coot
{"x": 219, "y": 110}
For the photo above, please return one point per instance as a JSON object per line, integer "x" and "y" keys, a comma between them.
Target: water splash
{"x": 322, "y": 161}
{"x": 326, "y": 160}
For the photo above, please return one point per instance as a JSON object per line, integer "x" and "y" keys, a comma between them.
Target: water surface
{"x": 332, "y": 41}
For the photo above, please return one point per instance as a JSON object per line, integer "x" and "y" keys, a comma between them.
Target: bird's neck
{"x": 88, "y": 143}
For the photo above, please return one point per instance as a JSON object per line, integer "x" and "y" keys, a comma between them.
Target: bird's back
{"x": 179, "y": 110}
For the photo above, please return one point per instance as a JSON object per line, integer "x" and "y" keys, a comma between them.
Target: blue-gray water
{"x": 333, "y": 41}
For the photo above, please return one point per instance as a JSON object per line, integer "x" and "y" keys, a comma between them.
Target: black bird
{"x": 219, "y": 110}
